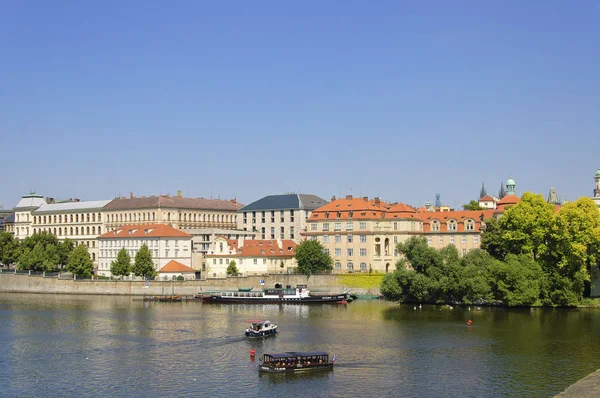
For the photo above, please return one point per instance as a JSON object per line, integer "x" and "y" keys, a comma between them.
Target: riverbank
{"x": 589, "y": 386}
{"x": 23, "y": 283}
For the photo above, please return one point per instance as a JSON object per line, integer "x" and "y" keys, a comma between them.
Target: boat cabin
{"x": 295, "y": 360}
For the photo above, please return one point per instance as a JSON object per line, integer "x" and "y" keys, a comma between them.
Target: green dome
{"x": 510, "y": 181}
{"x": 598, "y": 173}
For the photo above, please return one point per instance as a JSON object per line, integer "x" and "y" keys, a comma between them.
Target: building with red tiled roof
{"x": 487, "y": 202}
{"x": 164, "y": 242}
{"x": 174, "y": 269}
{"x": 252, "y": 257}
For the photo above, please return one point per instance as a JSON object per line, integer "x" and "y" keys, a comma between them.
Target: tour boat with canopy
{"x": 292, "y": 362}
{"x": 261, "y": 328}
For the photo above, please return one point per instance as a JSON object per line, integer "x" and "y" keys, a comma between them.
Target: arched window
{"x": 76, "y": 217}
{"x": 194, "y": 218}
{"x": 94, "y": 217}
{"x": 451, "y": 225}
{"x": 71, "y": 231}
{"x": 93, "y": 230}
{"x": 204, "y": 217}
{"x": 54, "y": 231}
{"x": 76, "y": 230}
{"x": 44, "y": 219}
{"x": 60, "y": 231}
{"x": 153, "y": 216}
{"x": 87, "y": 217}
{"x": 34, "y": 231}
{"x": 99, "y": 217}
{"x": 470, "y": 225}
{"x": 168, "y": 216}
{"x": 87, "y": 231}
{"x": 93, "y": 256}
{"x": 435, "y": 225}
{"x": 179, "y": 216}
{"x": 54, "y": 218}
{"x": 99, "y": 230}
{"x": 350, "y": 266}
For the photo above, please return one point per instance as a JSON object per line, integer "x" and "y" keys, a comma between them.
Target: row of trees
{"x": 42, "y": 252}
{"x": 142, "y": 265}
{"x": 532, "y": 255}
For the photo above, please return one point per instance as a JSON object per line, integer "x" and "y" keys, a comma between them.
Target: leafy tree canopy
{"x": 473, "y": 205}
{"x": 312, "y": 258}
{"x": 9, "y": 248}
{"x": 232, "y": 269}
{"x": 143, "y": 265}
{"x": 122, "y": 265}
{"x": 79, "y": 262}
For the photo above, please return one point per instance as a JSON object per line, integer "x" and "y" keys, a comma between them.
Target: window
{"x": 451, "y": 225}
{"x": 326, "y": 251}
{"x": 349, "y": 226}
{"x": 469, "y": 225}
{"x": 338, "y": 238}
{"x": 441, "y": 239}
{"x": 350, "y": 252}
{"x": 338, "y": 265}
{"x": 291, "y": 232}
{"x": 264, "y": 261}
{"x": 395, "y": 226}
{"x": 272, "y": 232}
{"x": 362, "y": 225}
{"x": 435, "y": 225}
{"x": 463, "y": 240}
{"x": 255, "y": 261}
{"x": 325, "y": 238}
{"x": 476, "y": 239}
{"x": 363, "y": 238}
{"x": 452, "y": 239}
{"x": 349, "y": 266}
{"x": 337, "y": 226}
{"x": 363, "y": 252}
{"x": 282, "y": 232}
{"x": 395, "y": 252}
{"x": 349, "y": 238}
{"x": 395, "y": 239}
{"x": 338, "y": 252}
{"x": 363, "y": 266}
{"x": 313, "y": 227}
{"x": 464, "y": 252}
{"x": 326, "y": 227}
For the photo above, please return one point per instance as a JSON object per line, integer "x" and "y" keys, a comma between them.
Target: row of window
{"x": 68, "y": 218}
{"x": 338, "y": 226}
{"x": 463, "y": 239}
{"x": 182, "y": 217}
{"x": 106, "y": 265}
{"x": 133, "y": 252}
{"x": 136, "y": 243}
{"x": 225, "y": 261}
{"x": 350, "y": 266}
{"x": 72, "y": 231}
{"x": 452, "y": 225}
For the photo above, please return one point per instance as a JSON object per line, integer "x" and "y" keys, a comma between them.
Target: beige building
{"x": 78, "y": 221}
{"x": 164, "y": 242}
{"x": 279, "y": 216}
{"x": 252, "y": 257}
{"x": 23, "y": 218}
{"x": 361, "y": 236}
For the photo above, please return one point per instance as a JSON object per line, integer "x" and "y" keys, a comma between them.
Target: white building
{"x": 165, "y": 243}
{"x": 596, "y": 197}
{"x": 252, "y": 257}
{"x": 23, "y": 218}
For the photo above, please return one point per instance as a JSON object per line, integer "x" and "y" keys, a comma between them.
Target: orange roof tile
{"x": 144, "y": 230}
{"x": 401, "y": 211}
{"x": 355, "y": 208}
{"x": 507, "y": 201}
{"x": 458, "y": 216}
{"x": 174, "y": 266}
{"x": 260, "y": 248}
{"x": 486, "y": 198}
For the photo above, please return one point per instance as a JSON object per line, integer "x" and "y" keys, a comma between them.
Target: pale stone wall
{"x": 177, "y": 218}
{"x": 277, "y": 224}
{"x": 11, "y": 283}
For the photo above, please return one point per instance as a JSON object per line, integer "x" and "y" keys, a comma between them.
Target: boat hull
{"x": 299, "y": 369}
{"x": 264, "y": 333}
{"x": 275, "y": 300}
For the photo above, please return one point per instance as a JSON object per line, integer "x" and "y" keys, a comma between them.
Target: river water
{"x": 52, "y": 345}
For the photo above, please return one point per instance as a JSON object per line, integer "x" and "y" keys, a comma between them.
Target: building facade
{"x": 252, "y": 257}
{"x": 360, "y": 236}
{"x": 78, "y": 221}
{"x": 596, "y": 197}
{"x": 23, "y": 217}
{"x": 279, "y": 216}
{"x": 164, "y": 242}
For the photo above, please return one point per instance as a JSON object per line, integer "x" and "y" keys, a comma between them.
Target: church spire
{"x": 501, "y": 192}
{"x": 483, "y": 191}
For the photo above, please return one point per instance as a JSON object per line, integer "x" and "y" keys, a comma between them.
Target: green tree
{"x": 32, "y": 258}
{"x": 64, "y": 248}
{"x": 517, "y": 280}
{"x": 527, "y": 226}
{"x": 122, "y": 264}
{"x": 312, "y": 258}
{"x": 9, "y": 248}
{"x": 473, "y": 205}
{"x": 79, "y": 262}
{"x": 418, "y": 254}
{"x": 43, "y": 237}
{"x": 143, "y": 265}
{"x": 232, "y": 269}
{"x": 575, "y": 243}
{"x": 492, "y": 239}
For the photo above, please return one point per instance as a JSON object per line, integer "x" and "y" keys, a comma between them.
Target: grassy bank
{"x": 360, "y": 281}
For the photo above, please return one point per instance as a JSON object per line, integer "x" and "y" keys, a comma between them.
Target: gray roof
{"x": 291, "y": 201}
{"x": 31, "y": 201}
{"x": 68, "y": 207}
{"x": 176, "y": 202}
{"x": 9, "y": 219}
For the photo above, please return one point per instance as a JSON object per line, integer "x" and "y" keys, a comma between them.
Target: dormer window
{"x": 339, "y": 214}
{"x": 350, "y": 214}
{"x": 435, "y": 225}
{"x": 452, "y": 225}
{"x": 326, "y": 214}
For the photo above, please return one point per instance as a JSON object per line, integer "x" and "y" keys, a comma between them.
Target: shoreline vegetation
{"x": 535, "y": 255}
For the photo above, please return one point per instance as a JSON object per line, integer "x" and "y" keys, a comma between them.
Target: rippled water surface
{"x": 119, "y": 346}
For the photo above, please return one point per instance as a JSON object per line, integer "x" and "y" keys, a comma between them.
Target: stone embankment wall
{"x": 23, "y": 283}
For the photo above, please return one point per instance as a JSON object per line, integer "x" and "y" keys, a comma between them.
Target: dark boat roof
{"x": 296, "y": 354}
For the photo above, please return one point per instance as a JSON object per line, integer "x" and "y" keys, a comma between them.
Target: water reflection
{"x": 118, "y": 346}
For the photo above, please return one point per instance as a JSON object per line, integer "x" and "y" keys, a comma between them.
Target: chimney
{"x": 130, "y": 195}
{"x": 333, "y": 198}
{"x": 179, "y": 193}
{"x": 234, "y": 200}
{"x": 348, "y": 197}
{"x": 377, "y": 202}
{"x": 240, "y": 242}
{"x": 279, "y": 243}
{"x": 366, "y": 198}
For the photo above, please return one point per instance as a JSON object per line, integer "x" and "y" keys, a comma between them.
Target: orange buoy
{"x": 469, "y": 322}
{"x": 252, "y": 352}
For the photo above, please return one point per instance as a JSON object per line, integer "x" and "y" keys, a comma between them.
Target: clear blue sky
{"x": 388, "y": 98}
